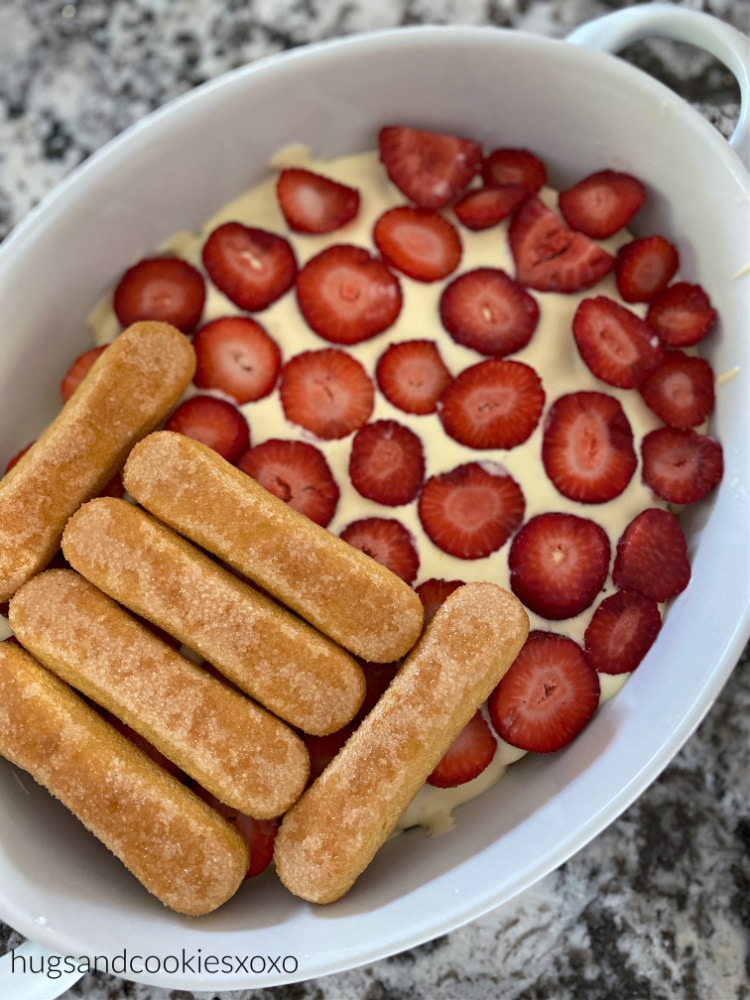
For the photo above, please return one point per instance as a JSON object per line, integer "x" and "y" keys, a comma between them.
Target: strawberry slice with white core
{"x": 346, "y": 295}
{"x": 651, "y": 556}
{"x": 547, "y": 697}
{"x": 430, "y": 168}
{"x": 644, "y": 267}
{"x": 472, "y": 510}
{"x": 621, "y": 631}
{"x": 419, "y": 242}
{"x": 493, "y": 404}
{"x": 312, "y": 203}
{"x": 78, "y": 371}
{"x": 252, "y": 267}
{"x": 680, "y": 465}
{"x": 297, "y": 473}
{"x": 519, "y": 167}
{"x": 387, "y": 463}
{"x": 433, "y": 593}
{"x": 617, "y": 346}
{"x": 388, "y": 542}
{"x": 412, "y": 375}
{"x": 235, "y": 355}
{"x": 682, "y": 314}
{"x": 550, "y": 257}
{"x": 602, "y": 203}
{"x": 214, "y": 422}
{"x": 487, "y": 310}
{"x": 468, "y": 755}
{"x": 587, "y": 447}
{"x": 681, "y": 390}
{"x": 558, "y": 564}
{"x": 259, "y": 834}
{"x": 328, "y": 392}
{"x": 166, "y": 289}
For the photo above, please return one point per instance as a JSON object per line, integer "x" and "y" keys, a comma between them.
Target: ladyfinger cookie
{"x": 246, "y": 757}
{"x": 332, "y": 833}
{"x": 130, "y": 389}
{"x": 180, "y": 849}
{"x": 271, "y": 654}
{"x": 341, "y": 591}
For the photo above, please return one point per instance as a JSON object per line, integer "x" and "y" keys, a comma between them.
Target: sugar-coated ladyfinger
{"x": 245, "y": 756}
{"x": 332, "y": 833}
{"x": 179, "y": 848}
{"x": 271, "y": 654}
{"x": 338, "y": 589}
{"x": 130, "y": 389}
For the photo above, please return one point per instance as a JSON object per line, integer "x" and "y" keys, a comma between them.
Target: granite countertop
{"x": 658, "y": 906}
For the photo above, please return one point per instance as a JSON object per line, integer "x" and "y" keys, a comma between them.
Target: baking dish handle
{"x": 614, "y": 31}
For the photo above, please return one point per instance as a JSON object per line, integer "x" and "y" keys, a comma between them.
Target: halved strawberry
{"x": 547, "y": 697}
{"x": 617, "y": 346}
{"x": 680, "y": 465}
{"x": 644, "y": 267}
{"x": 327, "y": 392}
{"x": 489, "y": 311}
{"x": 78, "y": 371}
{"x": 412, "y": 375}
{"x": 621, "y": 631}
{"x": 471, "y": 510}
{"x": 651, "y": 556}
{"x": 252, "y": 267}
{"x": 493, "y": 404}
{"x": 235, "y": 355}
{"x": 514, "y": 166}
{"x": 681, "y": 390}
{"x": 682, "y": 314}
{"x": 388, "y": 542}
{"x": 587, "y": 447}
{"x": 433, "y": 592}
{"x": 468, "y": 755}
{"x": 602, "y": 203}
{"x": 260, "y": 834}
{"x": 312, "y": 203}
{"x": 430, "y": 168}
{"x": 346, "y": 295}
{"x": 418, "y": 241}
{"x": 387, "y": 463}
{"x": 215, "y": 422}
{"x": 558, "y": 564}
{"x": 322, "y": 749}
{"x": 297, "y": 473}
{"x": 167, "y": 289}
{"x": 483, "y": 208}
{"x": 550, "y": 257}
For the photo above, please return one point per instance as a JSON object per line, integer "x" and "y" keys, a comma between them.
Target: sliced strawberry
{"x": 602, "y": 203}
{"x": 433, "y": 592}
{"x": 682, "y": 314}
{"x": 260, "y": 834}
{"x": 215, "y": 422}
{"x": 297, "y": 473}
{"x": 252, "y": 267}
{"x": 419, "y": 242}
{"x": 235, "y": 355}
{"x": 681, "y": 390}
{"x": 587, "y": 447}
{"x": 680, "y": 465}
{"x": 651, "y": 556}
{"x": 468, "y": 755}
{"x": 322, "y": 749}
{"x": 493, "y": 404}
{"x": 78, "y": 371}
{"x": 644, "y": 267}
{"x": 347, "y": 296}
{"x": 550, "y": 257}
{"x": 548, "y": 696}
{"x": 489, "y": 311}
{"x": 617, "y": 346}
{"x": 558, "y": 564}
{"x": 514, "y": 166}
{"x": 388, "y": 542}
{"x": 471, "y": 510}
{"x": 430, "y": 168}
{"x": 483, "y": 208}
{"x": 312, "y": 203}
{"x": 167, "y": 289}
{"x": 621, "y": 631}
{"x": 387, "y": 463}
{"x": 412, "y": 375}
{"x": 327, "y": 392}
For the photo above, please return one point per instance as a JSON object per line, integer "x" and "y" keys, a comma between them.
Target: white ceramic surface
{"x": 582, "y": 110}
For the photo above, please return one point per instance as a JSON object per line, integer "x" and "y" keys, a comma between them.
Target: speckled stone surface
{"x": 658, "y": 906}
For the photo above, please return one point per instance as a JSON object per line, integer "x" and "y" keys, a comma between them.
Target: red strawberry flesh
{"x": 433, "y": 593}
{"x": 681, "y": 390}
{"x": 682, "y": 314}
{"x": 387, "y": 463}
{"x": 621, "y": 631}
{"x": 215, "y": 422}
{"x": 680, "y": 465}
{"x": 388, "y": 542}
{"x": 419, "y": 242}
{"x": 297, "y": 473}
{"x": 166, "y": 289}
{"x": 468, "y": 755}
{"x": 616, "y": 344}
{"x": 312, "y": 203}
{"x": 79, "y": 370}
{"x": 644, "y": 268}
{"x": 489, "y": 311}
{"x": 253, "y": 267}
{"x": 602, "y": 203}
{"x": 328, "y": 392}
{"x": 235, "y": 355}
{"x": 651, "y": 556}
{"x": 519, "y": 167}
{"x": 430, "y": 168}
{"x": 483, "y": 208}
{"x": 412, "y": 375}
